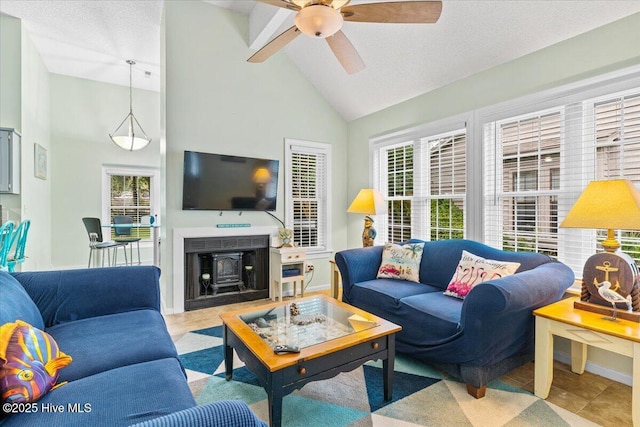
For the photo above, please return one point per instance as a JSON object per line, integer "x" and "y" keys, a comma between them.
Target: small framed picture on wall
{"x": 40, "y": 161}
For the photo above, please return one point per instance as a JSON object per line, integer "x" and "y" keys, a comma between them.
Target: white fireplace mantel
{"x": 179, "y": 234}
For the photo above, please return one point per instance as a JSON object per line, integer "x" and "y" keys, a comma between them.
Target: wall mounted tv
{"x": 221, "y": 182}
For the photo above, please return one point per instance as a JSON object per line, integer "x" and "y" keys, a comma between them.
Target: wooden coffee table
{"x": 329, "y": 342}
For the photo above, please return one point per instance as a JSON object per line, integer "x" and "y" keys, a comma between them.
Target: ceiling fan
{"x": 324, "y": 19}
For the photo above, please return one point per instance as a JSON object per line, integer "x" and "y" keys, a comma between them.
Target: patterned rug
{"x": 422, "y": 396}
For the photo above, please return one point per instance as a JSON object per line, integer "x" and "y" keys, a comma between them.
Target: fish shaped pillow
{"x": 29, "y": 362}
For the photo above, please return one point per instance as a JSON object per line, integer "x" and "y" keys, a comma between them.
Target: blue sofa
{"x": 477, "y": 339}
{"x": 125, "y": 367}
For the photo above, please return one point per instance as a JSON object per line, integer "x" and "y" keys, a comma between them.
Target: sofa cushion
{"x": 118, "y": 397}
{"x": 473, "y": 269}
{"x": 429, "y": 319}
{"x": 388, "y": 292}
{"x": 21, "y": 306}
{"x": 101, "y": 343}
{"x": 30, "y": 361}
{"x": 401, "y": 261}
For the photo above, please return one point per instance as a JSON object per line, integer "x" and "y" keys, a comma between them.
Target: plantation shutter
{"x": 307, "y": 195}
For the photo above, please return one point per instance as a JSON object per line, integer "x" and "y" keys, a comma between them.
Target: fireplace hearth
{"x": 225, "y": 270}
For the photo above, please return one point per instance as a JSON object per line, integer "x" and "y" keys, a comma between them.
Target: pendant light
{"x": 127, "y": 137}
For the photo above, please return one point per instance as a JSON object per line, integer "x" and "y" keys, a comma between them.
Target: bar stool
{"x": 123, "y": 235}
{"x": 94, "y": 231}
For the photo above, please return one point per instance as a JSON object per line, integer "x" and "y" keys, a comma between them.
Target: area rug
{"x": 422, "y": 396}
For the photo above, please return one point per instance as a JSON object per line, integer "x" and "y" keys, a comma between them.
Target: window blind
{"x": 538, "y": 163}
{"x": 424, "y": 183}
{"x": 444, "y": 170}
{"x": 130, "y": 195}
{"x": 307, "y": 187}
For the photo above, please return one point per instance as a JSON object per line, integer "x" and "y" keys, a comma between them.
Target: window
{"x": 132, "y": 192}
{"x": 424, "y": 183}
{"x": 617, "y": 134}
{"x": 307, "y": 185}
{"x": 399, "y": 192}
{"x": 539, "y": 163}
{"x": 447, "y": 184}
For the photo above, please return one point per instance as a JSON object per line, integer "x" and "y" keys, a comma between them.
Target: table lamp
{"x": 612, "y": 204}
{"x": 368, "y": 202}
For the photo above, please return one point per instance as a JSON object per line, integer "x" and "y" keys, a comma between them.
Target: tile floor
{"x": 593, "y": 397}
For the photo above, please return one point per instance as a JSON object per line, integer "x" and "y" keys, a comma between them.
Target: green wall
{"x": 35, "y": 195}
{"x": 216, "y": 102}
{"x": 83, "y": 113}
{"x": 10, "y": 96}
{"x": 608, "y": 48}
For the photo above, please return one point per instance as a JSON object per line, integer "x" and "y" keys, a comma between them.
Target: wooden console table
{"x": 583, "y": 328}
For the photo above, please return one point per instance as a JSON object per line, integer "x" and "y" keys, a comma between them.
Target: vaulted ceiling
{"x": 92, "y": 39}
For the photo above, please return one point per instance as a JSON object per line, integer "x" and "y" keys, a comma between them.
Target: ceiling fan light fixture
{"x": 319, "y": 21}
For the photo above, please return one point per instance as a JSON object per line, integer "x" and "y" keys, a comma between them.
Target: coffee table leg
{"x": 387, "y": 367}
{"x": 228, "y": 356}
{"x": 275, "y": 395}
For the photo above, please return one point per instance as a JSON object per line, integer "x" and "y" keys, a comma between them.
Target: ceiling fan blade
{"x": 275, "y": 45}
{"x": 281, "y": 3}
{"x": 345, "y": 52}
{"x": 401, "y": 12}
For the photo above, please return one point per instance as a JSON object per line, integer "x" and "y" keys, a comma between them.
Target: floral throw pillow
{"x": 401, "y": 261}
{"x": 473, "y": 269}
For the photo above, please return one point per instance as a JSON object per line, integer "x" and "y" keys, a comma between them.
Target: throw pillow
{"x": 473, "y": 269}
{"x": 401, "y": 261}
{"x": 29, "y": 362}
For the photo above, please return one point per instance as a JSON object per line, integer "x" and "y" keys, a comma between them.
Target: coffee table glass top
{"x": 305, "y": 323}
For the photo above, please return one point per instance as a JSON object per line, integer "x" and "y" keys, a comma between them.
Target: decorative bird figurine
{"x": 605, "y": 291}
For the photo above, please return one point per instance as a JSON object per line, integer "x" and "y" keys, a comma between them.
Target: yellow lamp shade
{"x": 368, "y": 202}
{"x": 606, "y": 204}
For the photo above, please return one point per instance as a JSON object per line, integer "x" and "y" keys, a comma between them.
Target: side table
{"x": 583, "y": 328}
{"x": 287, "y": 265}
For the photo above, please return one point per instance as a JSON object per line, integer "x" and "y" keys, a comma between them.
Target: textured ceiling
{"x": 92, "y": 39}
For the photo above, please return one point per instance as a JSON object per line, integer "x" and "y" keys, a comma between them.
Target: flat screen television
{"x": 221, "y": 182}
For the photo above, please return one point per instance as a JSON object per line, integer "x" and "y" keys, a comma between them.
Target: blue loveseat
{"x": 125, "y": 368}
{"x": 477, "y": 339}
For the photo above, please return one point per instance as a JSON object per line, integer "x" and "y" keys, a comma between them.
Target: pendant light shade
{"x": 129, "y": 135}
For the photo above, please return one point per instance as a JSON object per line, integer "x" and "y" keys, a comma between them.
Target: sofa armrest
{"x": 225, "y": 413}
{"x": 521, "y": 291}
{"x": 497, "y": 315}
{"x": 358, "y": 265}
{"x": 67, "y": 295}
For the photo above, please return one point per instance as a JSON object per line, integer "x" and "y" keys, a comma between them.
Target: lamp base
{"x": 369, "y": 233}
{"x": 619, "y": 273}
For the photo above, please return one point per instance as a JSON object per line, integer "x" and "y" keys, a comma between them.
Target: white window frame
{"x": 420, "y": 199}
{"x": 324, "y": 209}
{"x": 152, "y": 173}
{"x": 570, "y": 95}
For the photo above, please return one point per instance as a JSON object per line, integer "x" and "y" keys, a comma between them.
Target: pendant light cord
{"x": 131, "y": 62}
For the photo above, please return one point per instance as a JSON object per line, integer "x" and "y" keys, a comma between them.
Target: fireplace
{"x": 225, "y": 270}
